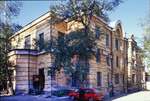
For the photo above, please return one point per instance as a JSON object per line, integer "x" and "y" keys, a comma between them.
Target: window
{"x": 137, "y": 78}
{"x": 99, "y": 79}
{"x": 136, "y": 54}
{"x": 27, "y": 42}
{"x": 74, "y": 82}
{"x": 133, "y": 50}
{"x": 41, "y": 38}
{"x": 124, "y": 79}
{"x": 98, "y": 56}
{"x": 117, "y": 61}
{"x": 132, "y": 64}
{"x": 124, "y": 48}
{"x": 108, "y": 60}
{"x": 89, "y": 91}
{"x": 124, "y": 63}
{"x": 133, "y": 78}
{"x": 117, "y": 45}
{"x": 97, "y": 32}
{"x": 108, "y": 79}
{"x": 107, "y": 40}
{"x": 117, "y": 78}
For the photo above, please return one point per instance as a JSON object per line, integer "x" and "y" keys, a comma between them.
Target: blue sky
{"x": 128, "y": 12}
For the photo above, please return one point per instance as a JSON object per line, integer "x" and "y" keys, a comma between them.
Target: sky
{"x": 130, "y": 12}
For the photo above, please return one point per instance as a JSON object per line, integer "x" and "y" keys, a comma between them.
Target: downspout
{"x": 28, "y": 70}
{"x": 112, "y": 91}
{"x": 51, "y": 39}
{"x": 127, "y": 67}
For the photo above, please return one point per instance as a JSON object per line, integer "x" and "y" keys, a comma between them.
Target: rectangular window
{"x": 108, "y": 79}
{"x": 107, "y": 40}
{"x": 61, "y": 39}
{"x": 137, "y": 78}
{"x": 124, "y": 63}
{"x": 136, "y": 54}
{"x": 133, "y": 50}
{"x": 97, "y": 32}
{"x": 27, "y": 42}
{"x": 133, "y": 78}
{"x": 124, "y": 48}
{"x": 117, "y": 61}
{"x": 132, "y": 64}
{"x": 108, "y": 60}
{"x": 98, "y": 56}
{"x": 117, "y": 45}
{"x": 124, "y": 79}
{"x": 117, "y": 78}
{"x": 99, "y": 79}
{"x": 41, "y": 38}
{"x": 73, "y": 80}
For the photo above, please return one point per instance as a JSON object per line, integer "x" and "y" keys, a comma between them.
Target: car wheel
{"x": 91, "y": 99}
{"x": 72, "y": 97}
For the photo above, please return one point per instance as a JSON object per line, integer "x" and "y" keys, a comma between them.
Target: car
{"x": 89, "y": 94}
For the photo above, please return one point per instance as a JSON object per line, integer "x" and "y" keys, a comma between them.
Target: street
{"x": 137, "y": 96}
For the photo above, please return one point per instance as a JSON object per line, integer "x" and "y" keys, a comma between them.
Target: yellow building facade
{"x": 111, "y": 72}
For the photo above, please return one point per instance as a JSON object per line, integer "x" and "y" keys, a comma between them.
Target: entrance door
{"x": 42, "y": 79}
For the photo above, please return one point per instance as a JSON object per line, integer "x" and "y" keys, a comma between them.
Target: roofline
{"x": 28, "y": 25}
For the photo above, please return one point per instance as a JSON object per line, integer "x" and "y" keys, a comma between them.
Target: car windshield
{"x": 97, "y": 92}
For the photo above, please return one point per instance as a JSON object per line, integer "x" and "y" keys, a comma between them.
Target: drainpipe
{"x": 112, "y": 91}
{"x": 51, "y": 53}
{"x": 28, "y": 70}
{"x": 127, "y": 67}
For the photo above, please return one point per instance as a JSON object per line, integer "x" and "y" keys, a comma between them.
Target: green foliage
{"x": 12, "y": 8}
{"x": 5, "y": 47}
{"x": 146, "y": 41}
{"x": 78, "y": 45}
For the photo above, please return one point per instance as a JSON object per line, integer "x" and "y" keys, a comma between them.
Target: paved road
{"x": 138, "y": 96}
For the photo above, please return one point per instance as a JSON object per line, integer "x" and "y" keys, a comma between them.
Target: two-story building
{"x": 112, "y": 69}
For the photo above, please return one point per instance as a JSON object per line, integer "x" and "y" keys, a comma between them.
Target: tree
{"x": 81, "y": 43}
{"x": 146, "y": 40}
{"x": 10, "y": 9}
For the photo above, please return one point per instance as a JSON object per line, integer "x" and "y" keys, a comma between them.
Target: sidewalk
{"x": 115, "y": 97}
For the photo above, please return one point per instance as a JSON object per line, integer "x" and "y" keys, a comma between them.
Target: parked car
{"x": 89, "y": 94}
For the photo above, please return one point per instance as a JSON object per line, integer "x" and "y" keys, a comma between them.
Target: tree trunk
{"x": 7, "y": 71}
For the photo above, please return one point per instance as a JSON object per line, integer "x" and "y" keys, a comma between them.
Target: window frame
{"x": 97, "y": 32}
{"x": 117, "y": 44}
{"x": 117, "y": 78}
{"x": 41, "y": 38}
{"x": 98, "y": 56}
{"x": 99, "y": 78}
{"x": 107, "y": 40}
{"x": 117, "y": 61}
{"x": 27, "y": 42}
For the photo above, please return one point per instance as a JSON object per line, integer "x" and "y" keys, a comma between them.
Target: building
{"x": 116, "y": 68}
